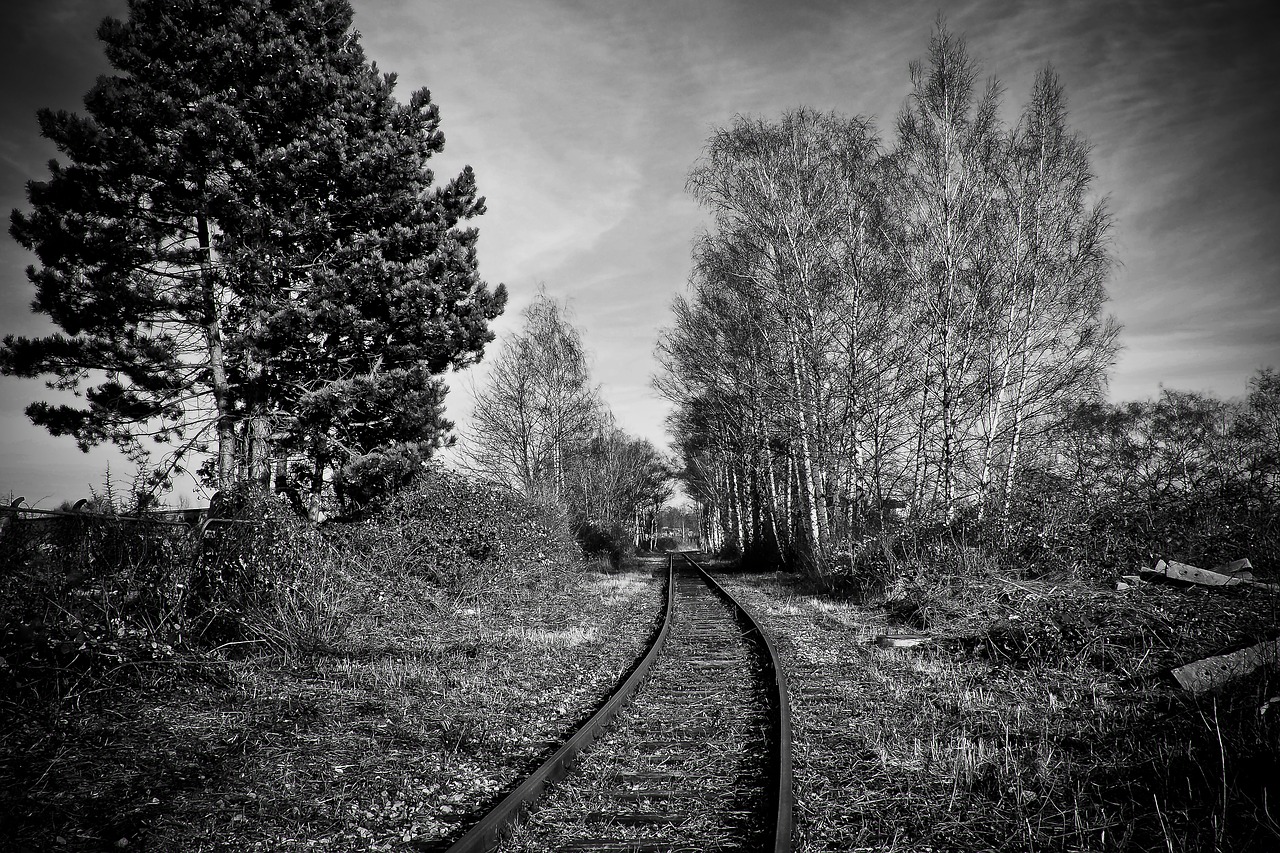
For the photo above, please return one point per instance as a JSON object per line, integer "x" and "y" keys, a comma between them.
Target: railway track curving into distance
{"x": 692, "y": 751}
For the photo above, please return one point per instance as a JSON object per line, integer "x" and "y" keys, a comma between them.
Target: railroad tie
{"x": 698, "y": 759}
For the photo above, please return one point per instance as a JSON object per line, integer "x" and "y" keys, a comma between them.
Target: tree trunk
{"x": 1018, "y": 415}
{"x": 997, "y": 410}
{"x": 947, "y": 465}
{"x": 736, "y": 497}
{"x": 919, "y": 471}
{"x": 772, "y": 485}
{"x": 809, "y": 491}
{"x": 757, "y": 521}
{"x": 225, "y": 418}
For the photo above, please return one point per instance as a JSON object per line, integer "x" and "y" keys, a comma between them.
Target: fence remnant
{"x": 196, "y": 519}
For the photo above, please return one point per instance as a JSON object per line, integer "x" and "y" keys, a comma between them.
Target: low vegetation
{"x": 267, "y": 685}
{"x": 376, "y": 683}
{"x": 1039, "y": 715}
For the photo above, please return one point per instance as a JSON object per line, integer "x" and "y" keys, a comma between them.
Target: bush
{"x": 108, "y": 589}
{"x": 469, "y": 540}
{"x": 111, "y": 587}
{"x": 266, "y": 575}
{"x": 1055, "y": 530}
{"x": 612, "y": 543}
{"x": 89, "y": 593}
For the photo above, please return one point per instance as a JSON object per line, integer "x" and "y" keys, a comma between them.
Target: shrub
{"x": 266, "y": 575}
{"x": 1055, "y": 530}
{"x": 86, "y": 594}
{"x": 109, "y": 588}
{"x": 611, "y": 543}
{"x": 469, "y": 540}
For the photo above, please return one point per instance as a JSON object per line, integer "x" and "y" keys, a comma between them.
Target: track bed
{"x": 697, "y": 761}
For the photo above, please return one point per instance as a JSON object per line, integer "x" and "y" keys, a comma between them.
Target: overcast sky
{"x": 582, "y": 118}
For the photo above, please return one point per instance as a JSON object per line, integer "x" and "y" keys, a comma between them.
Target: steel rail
{"x": 486, "y": 834}
{"x": 780, "y": 776}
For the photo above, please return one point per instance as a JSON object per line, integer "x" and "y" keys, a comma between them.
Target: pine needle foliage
{"x": 245, "y": 251}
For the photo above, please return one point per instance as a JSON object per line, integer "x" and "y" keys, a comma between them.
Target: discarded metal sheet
{"x": 1211, "y": 672}
{"x": 1203, "y": 577}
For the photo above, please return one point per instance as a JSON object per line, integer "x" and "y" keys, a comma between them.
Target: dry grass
{"x": 1038, "y": 721}
{"x": 666, "y": 775}
{"x": 371, "y": 705}
{"x": 400, "y": 734}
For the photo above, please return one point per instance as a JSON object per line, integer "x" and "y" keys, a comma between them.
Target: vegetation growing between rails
{"x": 269, "y": 683}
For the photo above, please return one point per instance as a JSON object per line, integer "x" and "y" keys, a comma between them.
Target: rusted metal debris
{"x": 1211, "y": 672}
{"x": 1207, "y": 577}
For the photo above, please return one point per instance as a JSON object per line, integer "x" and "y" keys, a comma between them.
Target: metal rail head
{"x": 780, "y": 777}
{"x": 485, "y": 834}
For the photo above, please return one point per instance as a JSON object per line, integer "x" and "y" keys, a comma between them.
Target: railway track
{"x": 691, "y": 753}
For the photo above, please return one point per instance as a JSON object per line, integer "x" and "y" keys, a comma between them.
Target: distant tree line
{"x": 246, "y": 255}
{"x": 540, "y": 428}
{"x": 874, "y": 323}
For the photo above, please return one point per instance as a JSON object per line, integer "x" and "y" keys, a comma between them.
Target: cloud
{"x": 582, "y": 118}
{"x": 1170, "y": 95}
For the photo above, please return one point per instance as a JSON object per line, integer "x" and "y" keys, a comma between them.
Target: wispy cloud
{"x": 582, "y": 118}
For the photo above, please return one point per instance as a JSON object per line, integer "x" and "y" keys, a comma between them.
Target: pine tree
{"x": 245, "y": 247}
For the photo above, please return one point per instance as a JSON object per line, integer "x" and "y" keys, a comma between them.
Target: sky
{"x": 582, "y": 119}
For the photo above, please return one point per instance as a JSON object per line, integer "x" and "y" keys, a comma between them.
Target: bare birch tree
{"x": 1058, "y": 263}
{"x": 944, "y": 176}
{"x": 538, "y": 406}
{"x": 866, "y": 323}
{"x": 773, "y": 191}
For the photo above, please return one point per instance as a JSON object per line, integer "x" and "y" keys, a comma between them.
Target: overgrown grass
{"x": 371, "y": 685}
{"x": 362, "y": 686}
{"x": 1041, "y": 718}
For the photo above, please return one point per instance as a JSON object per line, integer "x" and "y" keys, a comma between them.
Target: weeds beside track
{"x": 699, "y": 761}
{"x": 1063, "y": 735}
